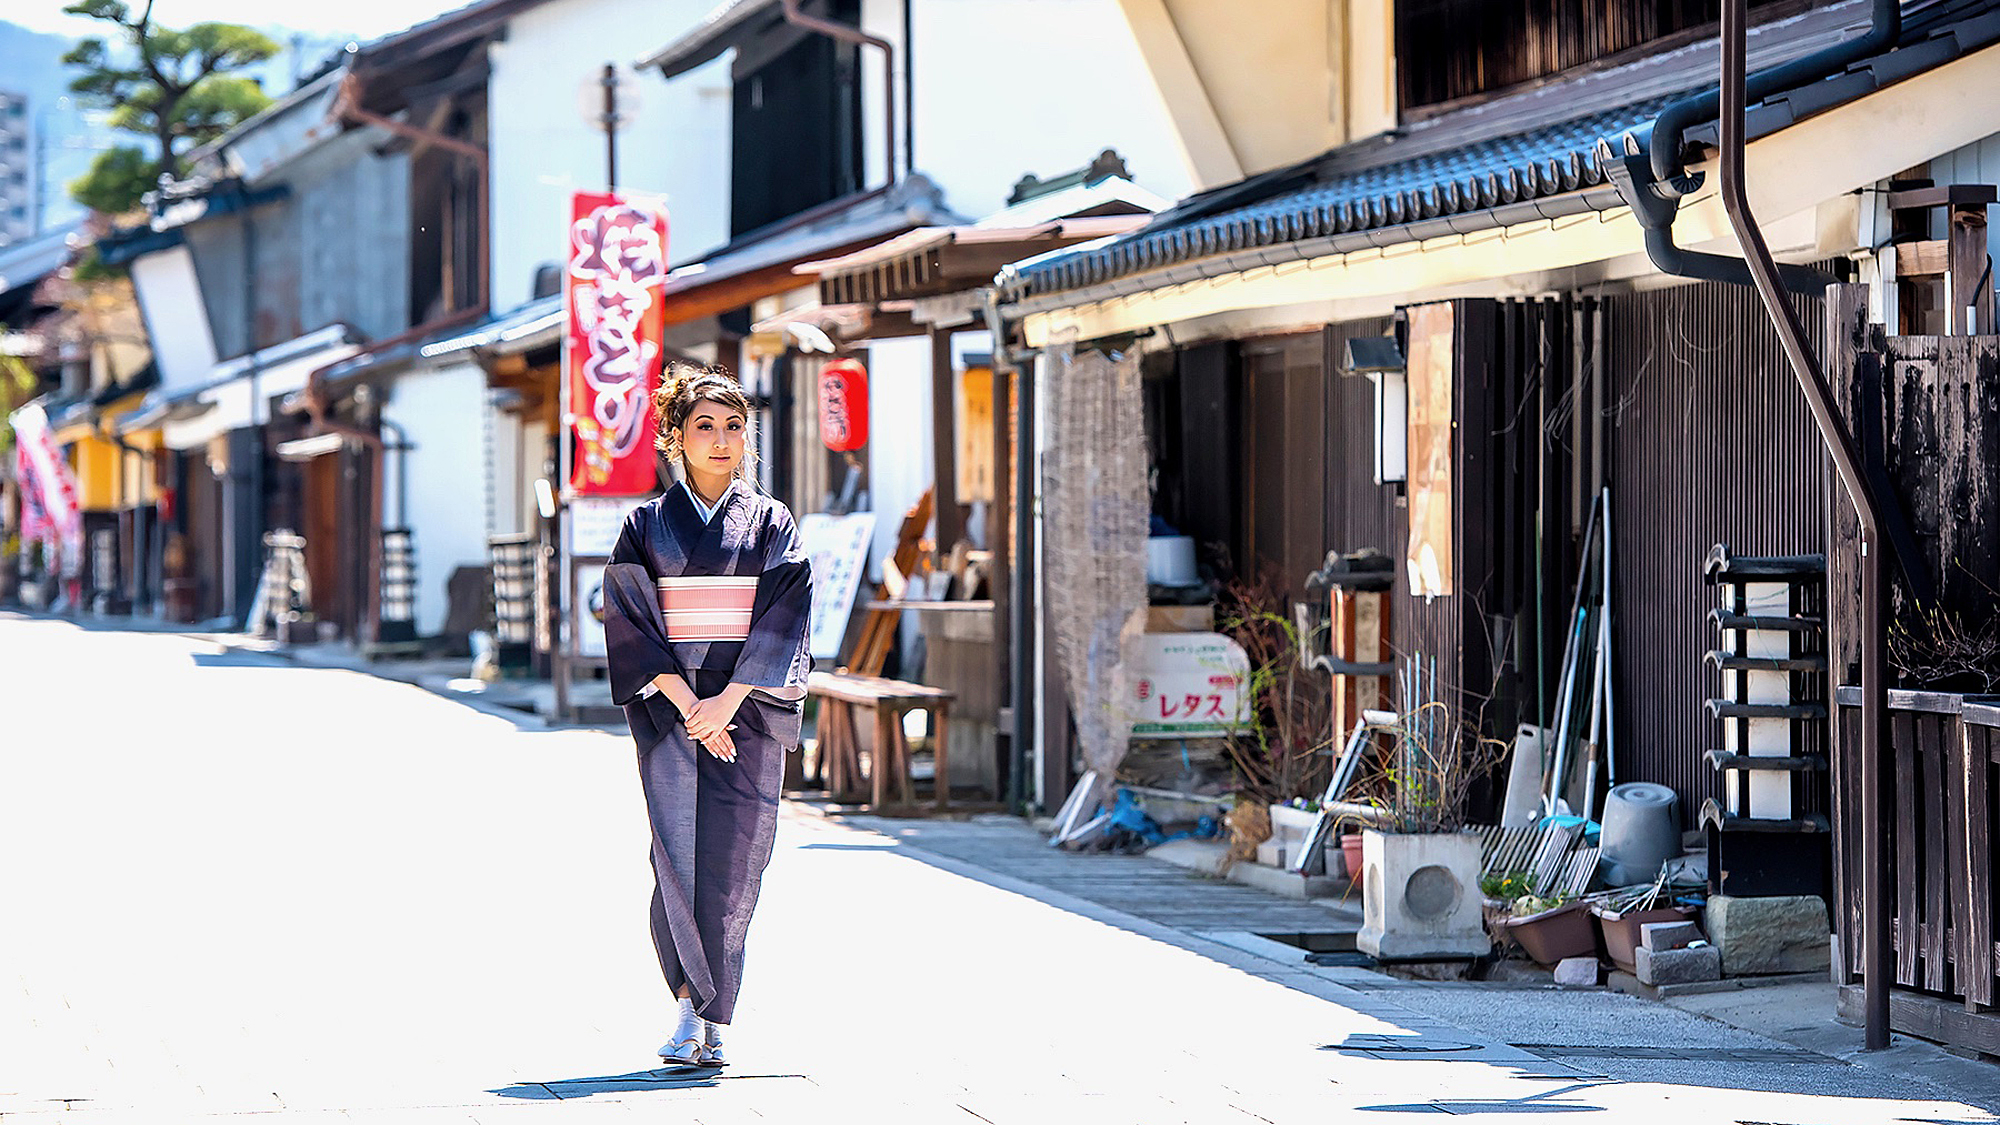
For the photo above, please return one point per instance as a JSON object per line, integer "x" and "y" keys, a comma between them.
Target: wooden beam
{"x": 1922, "y": 259}
{"x": 1197, "y": 125}
{"x": 1954, "y": 195}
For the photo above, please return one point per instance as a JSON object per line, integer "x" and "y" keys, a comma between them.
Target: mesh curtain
{"x": 1094, "y": 554}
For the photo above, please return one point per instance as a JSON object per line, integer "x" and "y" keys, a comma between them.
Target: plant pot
{"x": 1554, "y": 935}
{"x": 1288, "y": 834}
{"x": 1621, "y": 931}
{"x": 1420, "y": 896}
{"x": 1350, "y": 850}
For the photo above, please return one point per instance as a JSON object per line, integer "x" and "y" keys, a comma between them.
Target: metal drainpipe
{"x": 1840, "y": 445}
{"x": 846, "y": 34}
{"x": 1651, "y": 177}
{"x": 1020, "y": 569}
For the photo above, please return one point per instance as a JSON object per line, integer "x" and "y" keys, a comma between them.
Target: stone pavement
{"x": 240, "y": 889}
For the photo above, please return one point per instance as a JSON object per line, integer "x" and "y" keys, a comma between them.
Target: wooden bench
{"x": 840, "y": 695}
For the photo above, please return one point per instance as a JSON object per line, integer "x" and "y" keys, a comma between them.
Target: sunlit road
{"x": 236, "y": 887}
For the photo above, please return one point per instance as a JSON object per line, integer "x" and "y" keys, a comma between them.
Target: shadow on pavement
{"x": 665, "y": 1078}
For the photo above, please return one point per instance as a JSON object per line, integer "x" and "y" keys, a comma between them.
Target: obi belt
{"x": 708, "y": 608}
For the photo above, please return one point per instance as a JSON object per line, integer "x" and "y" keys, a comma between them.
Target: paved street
{"x": 322, "y": 896}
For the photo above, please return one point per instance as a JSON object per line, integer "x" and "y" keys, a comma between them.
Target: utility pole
{"x": 611, "y": 123}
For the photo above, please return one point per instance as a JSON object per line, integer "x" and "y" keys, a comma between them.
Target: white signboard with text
{"x": 594, "y": 523}
{"x": 838, "y": 546}
{"x": 1188, "y": 685}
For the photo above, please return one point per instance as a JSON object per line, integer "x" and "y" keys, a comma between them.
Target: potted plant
{"x": 1419, "y": 871}
{"x": 1278, "y": 756}
{"x": 1620, "y": 914}
{"x": 1551, "y": 929}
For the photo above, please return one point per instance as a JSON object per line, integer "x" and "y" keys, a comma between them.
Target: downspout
{"x": 1765, "y": 274}
{"x": 1653, "y": 179}
{"x": 848, "y": 34}
{"x": 1016, "y": 633}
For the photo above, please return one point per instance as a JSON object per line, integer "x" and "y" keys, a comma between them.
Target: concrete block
{"x": 1420, "y": 896}
{"x": 1770, "y": 934}
{"x": 1271, "y": 853}
{"x": 1577, "y": 972}
{"x": 1659, "y": 936}
{"x": 1677, "y": 966}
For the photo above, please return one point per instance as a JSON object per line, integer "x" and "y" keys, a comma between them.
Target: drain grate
{"x": 1679, "y": 1054}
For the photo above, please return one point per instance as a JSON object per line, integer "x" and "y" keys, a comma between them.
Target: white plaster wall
{"x": 1082, "y": 88}
{"x": 439, "y": 410}
{"x": 543, "y": 148}
{"x": 176, "y": 320}
{"x": 899, "y": 443}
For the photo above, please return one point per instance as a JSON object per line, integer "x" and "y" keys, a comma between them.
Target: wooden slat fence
{"x": 1945, "y": 797}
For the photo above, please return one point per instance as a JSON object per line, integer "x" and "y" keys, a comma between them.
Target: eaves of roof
{"x": 1354, "y": 197}
{"x": 722, "y": 28}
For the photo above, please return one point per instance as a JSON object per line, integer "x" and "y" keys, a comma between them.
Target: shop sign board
{"x": 838, "y": 546}
{"x": 592, "y": 523}
{"x": 1188, "y": 685}
{"x": 587, "y": 625}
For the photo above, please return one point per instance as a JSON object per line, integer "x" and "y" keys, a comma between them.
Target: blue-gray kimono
{"x": 716, "y": 601}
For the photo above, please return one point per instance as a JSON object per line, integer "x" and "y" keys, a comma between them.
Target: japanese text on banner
{"x": 617, "y": 264}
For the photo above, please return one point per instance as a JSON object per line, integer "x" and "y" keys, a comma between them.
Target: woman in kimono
{"x": 706, "y": 604}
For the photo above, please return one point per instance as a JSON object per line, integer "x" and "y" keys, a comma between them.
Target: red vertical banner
{"x": 617, "y": 264}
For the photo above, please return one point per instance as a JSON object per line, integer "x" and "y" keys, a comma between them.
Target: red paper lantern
{"x": 843, "y": 405}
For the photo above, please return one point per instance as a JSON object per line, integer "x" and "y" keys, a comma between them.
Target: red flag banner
{"x": 611, "y": 288}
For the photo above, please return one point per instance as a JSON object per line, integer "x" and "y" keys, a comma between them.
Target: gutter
{"x": 1526, "y": 211}
{"x": 1652, "y": 175}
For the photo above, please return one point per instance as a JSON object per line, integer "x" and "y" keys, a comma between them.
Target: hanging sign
{"x": 617, "y": 264}
{"x": 1188, "y": 685}
{"x": 843, "y": 405}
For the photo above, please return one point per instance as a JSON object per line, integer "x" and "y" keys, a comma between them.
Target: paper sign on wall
{"x": 1429, "y": 560}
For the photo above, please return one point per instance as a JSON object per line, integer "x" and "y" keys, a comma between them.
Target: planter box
{"x": 1621, "y": 931}
{"x": 1288, "y": 833}
{"x": 1420, "y": 896}
{"x": 1555, "y": 935}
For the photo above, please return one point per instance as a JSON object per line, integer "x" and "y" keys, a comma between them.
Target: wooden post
{"x": 1969, "y": 280}
{"x": 944, "y": 442}
{"x": 882, "y": 757}
{"x": 941, "y": 737}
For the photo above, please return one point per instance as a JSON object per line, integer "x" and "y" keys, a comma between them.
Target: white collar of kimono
{"x": 707, "y": 511}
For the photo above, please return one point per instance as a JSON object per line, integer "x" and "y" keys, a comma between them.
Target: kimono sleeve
{"x": 635, "y": 634}
{"x": 775, "y": 654}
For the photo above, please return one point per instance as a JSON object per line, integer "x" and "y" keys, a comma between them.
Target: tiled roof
{"x": 1546, "y": 164}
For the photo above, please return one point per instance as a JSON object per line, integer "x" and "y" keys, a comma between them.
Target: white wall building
{"x": 543, "y": 97}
